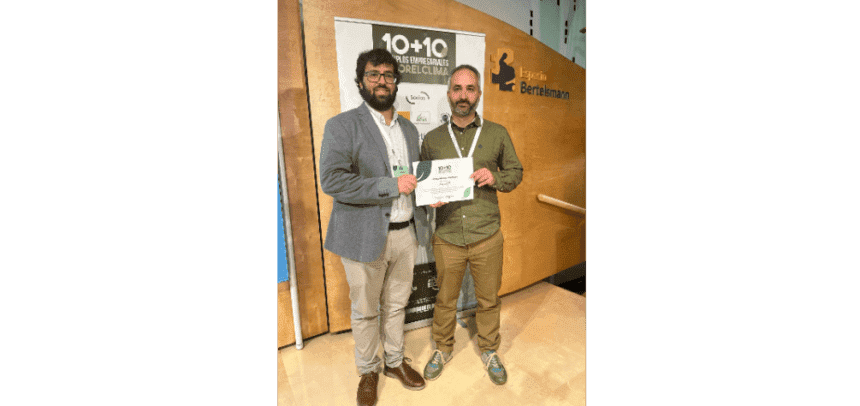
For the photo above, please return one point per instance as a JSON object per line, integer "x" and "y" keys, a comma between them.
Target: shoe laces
{"x": 438, "y": 357}
{"x": 493, "y": 360}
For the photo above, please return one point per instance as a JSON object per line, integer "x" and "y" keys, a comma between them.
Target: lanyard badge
{"x": 398, "y": 170}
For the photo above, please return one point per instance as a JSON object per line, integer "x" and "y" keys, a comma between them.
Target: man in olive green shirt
{"x": 469, "y": 231}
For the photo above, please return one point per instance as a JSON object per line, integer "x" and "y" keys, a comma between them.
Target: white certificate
{"x": 443, "y": 180}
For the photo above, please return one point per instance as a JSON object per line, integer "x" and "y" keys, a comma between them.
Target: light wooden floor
{"x": 543, "y": 350}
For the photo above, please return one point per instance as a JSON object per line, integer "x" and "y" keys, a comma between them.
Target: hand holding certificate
{"x": 445, "y": 180}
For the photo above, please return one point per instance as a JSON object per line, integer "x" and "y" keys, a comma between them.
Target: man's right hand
{"x": 437, "y": 204}
{"x": 406, "y": 183}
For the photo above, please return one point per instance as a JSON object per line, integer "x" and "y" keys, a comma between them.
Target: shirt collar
{"x": 475, "y": 123}
{"x": 380, "y": 118}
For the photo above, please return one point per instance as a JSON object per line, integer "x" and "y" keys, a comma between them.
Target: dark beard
{"x": 375, "y": 103}
{"x": 469, "y": 109}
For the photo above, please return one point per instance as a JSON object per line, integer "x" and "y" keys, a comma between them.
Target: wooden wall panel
{"x": 299, "y": 157}
{"x": 548, "y": 134}
{"x": 286, "y": 329}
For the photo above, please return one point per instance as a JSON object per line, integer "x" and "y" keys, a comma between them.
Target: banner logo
{"x": 411, "y": 98}
{"x": 422, "y": 117}
{"x": 424, "y": 55}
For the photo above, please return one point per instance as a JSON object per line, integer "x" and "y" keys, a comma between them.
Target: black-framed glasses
{"x": 374, "y": 76}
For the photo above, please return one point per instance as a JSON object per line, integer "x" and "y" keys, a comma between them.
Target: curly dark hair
{"x": 376, "y": 56}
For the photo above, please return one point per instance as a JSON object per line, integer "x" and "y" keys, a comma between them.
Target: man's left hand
{"x": 483, "y": 177}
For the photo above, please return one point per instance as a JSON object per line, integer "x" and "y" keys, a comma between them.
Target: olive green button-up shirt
{"x": 467, "y": 222}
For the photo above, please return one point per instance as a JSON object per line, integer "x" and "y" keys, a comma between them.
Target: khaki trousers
{"x": 381, "y": 289}
{"x": 485, "y": 263}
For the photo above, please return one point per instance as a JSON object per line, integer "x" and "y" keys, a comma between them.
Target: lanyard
{"x": 457, "y": 145}
{"x": 389, "y": 143}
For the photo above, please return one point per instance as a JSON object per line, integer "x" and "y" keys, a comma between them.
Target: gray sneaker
{"x": 434, "y": 367}
{"x": 494, "y": 367}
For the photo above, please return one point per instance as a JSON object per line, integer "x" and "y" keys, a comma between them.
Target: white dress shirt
{"x": 395, "y": 145}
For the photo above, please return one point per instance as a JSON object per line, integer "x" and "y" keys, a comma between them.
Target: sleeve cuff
{"x": 387, "y": 187}
{"x": 498, "y": 184}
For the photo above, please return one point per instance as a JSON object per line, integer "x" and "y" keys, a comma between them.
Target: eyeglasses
{"x": 374, "y": 76}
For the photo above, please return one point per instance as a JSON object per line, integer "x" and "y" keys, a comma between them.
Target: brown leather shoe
{"x": 410, "y": 378}
{"x": 367, "y": 389}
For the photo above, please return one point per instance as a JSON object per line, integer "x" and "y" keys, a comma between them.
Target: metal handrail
{"x": 558, "y": 203}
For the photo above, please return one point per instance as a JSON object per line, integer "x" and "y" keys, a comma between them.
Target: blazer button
{"x": 387, "y": 214}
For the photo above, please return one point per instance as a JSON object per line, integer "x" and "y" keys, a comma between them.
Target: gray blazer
{"x": 355, "y": 171}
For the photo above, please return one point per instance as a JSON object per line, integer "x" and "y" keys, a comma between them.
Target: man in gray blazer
{"x": 375, "y": 227}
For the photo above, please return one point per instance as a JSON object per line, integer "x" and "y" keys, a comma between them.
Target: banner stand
{"x": 288, "y": 227}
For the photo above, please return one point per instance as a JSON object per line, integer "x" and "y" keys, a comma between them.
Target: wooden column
{"x": 301, "y": 182}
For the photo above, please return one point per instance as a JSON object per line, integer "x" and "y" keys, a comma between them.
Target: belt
{"x": 399, "y": 226}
